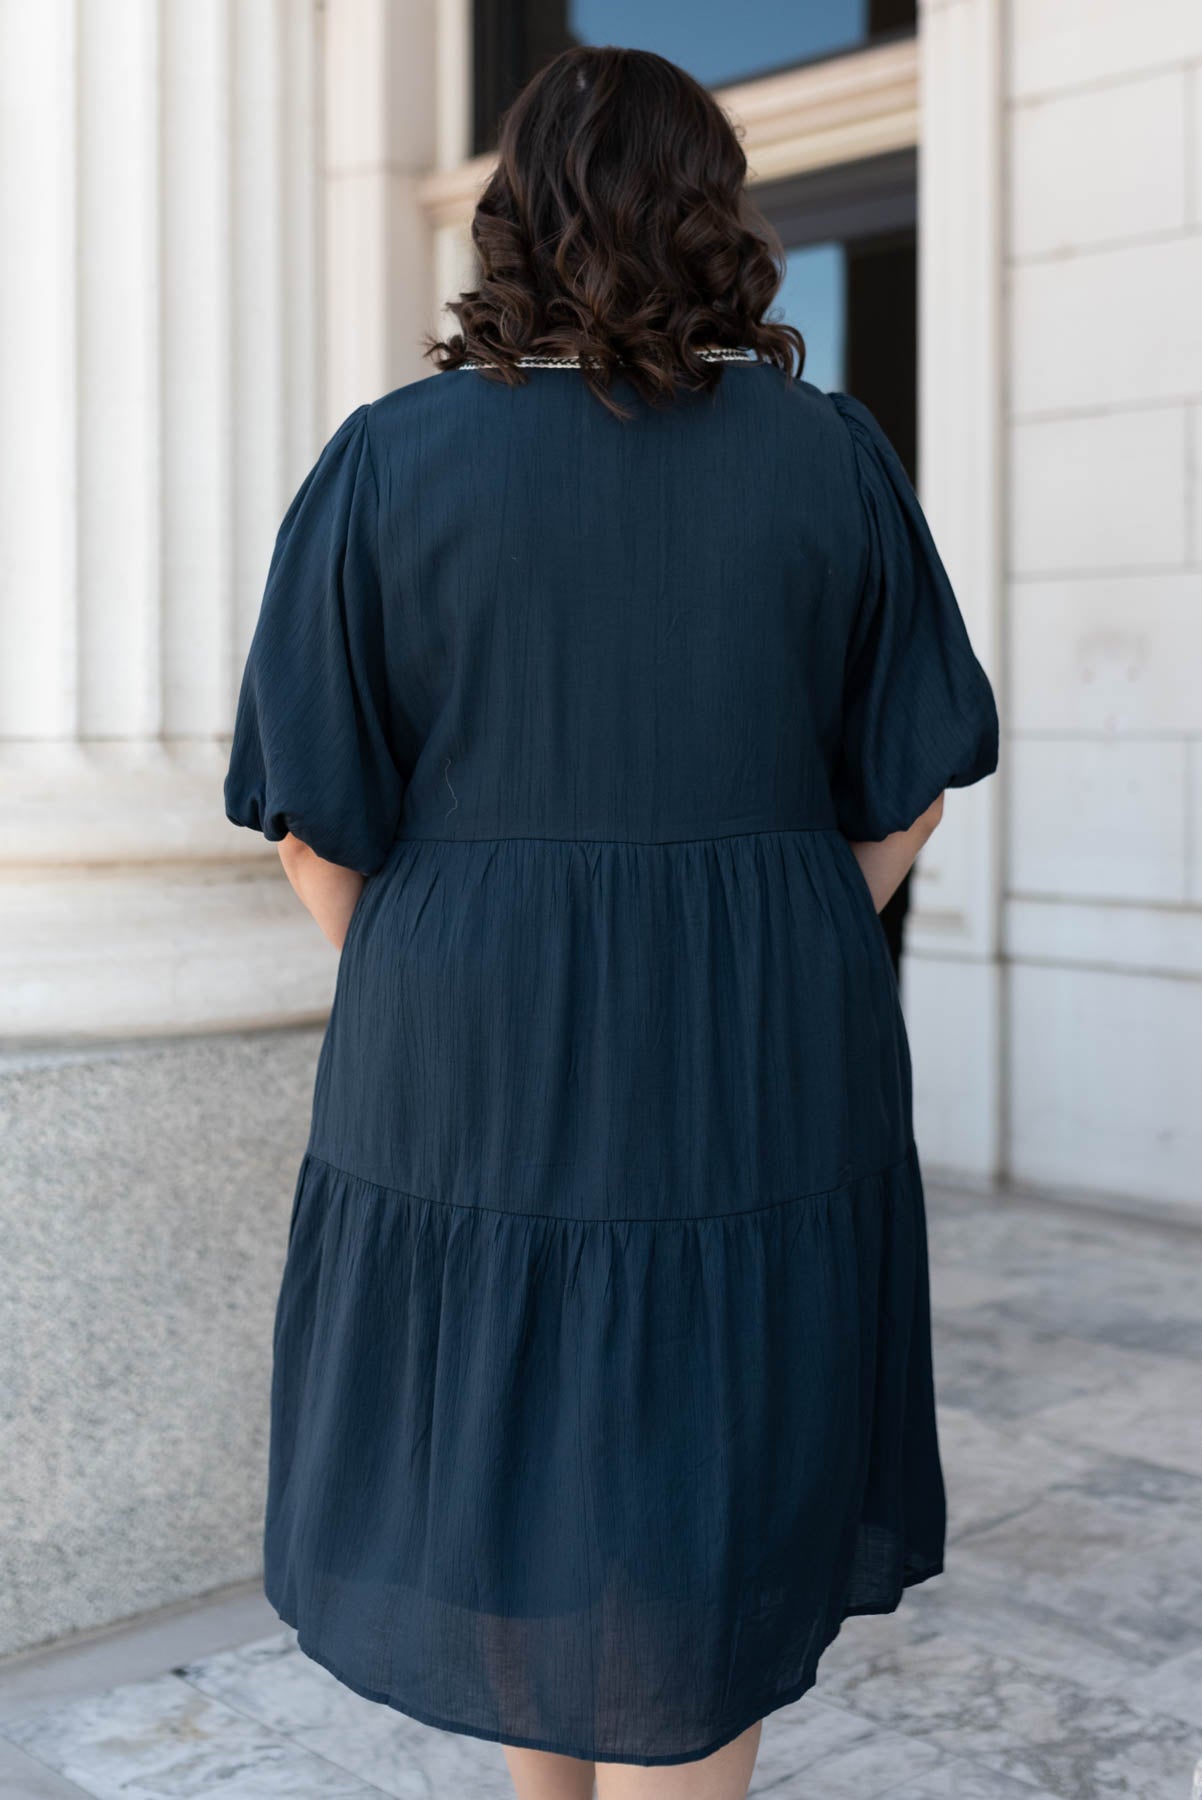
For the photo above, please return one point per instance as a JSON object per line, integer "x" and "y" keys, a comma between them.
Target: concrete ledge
{"x": 145, "y": 1191}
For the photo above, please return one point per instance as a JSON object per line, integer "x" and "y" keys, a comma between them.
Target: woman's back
{"x": 611, "y": 1175}
{"x": 601, "y": 1365}
{"x": 613, "y": 629}
{"x": 597, "y": 701}
{"x": 602, "y": 1389}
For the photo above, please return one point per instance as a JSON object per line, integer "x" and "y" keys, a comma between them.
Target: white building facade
{"x": 223, "y": 225}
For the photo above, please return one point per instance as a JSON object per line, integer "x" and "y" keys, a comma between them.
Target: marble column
{"x": 213, "y": 250}
{"x": 211, "y": 253}
{"x": 951, "y": 973}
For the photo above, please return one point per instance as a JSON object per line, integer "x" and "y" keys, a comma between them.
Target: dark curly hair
{"x": 617, "y": 228}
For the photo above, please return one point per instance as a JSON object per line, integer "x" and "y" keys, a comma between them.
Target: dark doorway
{"x": 511, "y": 39}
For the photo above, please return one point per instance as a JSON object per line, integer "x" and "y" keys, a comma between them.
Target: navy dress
{"x": 602, "y": 1386}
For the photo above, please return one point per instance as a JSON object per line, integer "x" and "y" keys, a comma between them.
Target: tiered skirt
{"x": 602, "y": 1390}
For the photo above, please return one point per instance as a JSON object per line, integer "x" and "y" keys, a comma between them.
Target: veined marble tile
{"x": 1175, "y": 1688}
{"x": 810, "y": 1747}
{"x": 803, "y": 1736}
{"x": 1133, "y": 1486}
{"x": 1065, "y": 1533}
{"x": 1083, "y": 1277}
{"x": 21, "y": 1778}
{"x": 865, "y": 1635}
{"x": 1002, "y": 1370}
{"x": 955, "y": 1288}
{"x": 1155, "y": 1417}
{"x": 136, "y": 1650}
{"x": 1107, "y": 1283}
{"x": 163, "y": 1740}
{"x": 873, "y": 1764}
{"x": 1131, "y": 1320}
{"x": 1156, "y": 1596}
{"x": 274, "y": 1682}
{"x": 1032, "y": 1726}
{"x": 994, "y": 1468}
{"x": 1059, "y": 1625}
{"x": 955, "y": 1779}
{"x": 1012, "y": 1238}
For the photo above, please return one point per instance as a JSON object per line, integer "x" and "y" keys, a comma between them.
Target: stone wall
{"x": 145, "y": 1194}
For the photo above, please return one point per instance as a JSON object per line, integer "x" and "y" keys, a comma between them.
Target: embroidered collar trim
{"x": 717, "y": 353}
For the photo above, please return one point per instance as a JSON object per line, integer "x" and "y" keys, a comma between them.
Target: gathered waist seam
{"x": 544, "y": 837}
{"x": 505, "y": 1212}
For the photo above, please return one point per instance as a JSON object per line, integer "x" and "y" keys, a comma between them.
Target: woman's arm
{"x": 329, "y": 891}
{"x": 885, "y": 863}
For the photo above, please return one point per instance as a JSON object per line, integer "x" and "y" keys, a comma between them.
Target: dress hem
{"x": 911, "y": 1577}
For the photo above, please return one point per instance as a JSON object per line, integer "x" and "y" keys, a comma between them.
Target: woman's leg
{"x": 726, "y": 1775}
{"x": 541, "y": 1775}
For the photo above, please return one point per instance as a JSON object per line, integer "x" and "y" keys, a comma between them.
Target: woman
{"x": 605, "y": 686}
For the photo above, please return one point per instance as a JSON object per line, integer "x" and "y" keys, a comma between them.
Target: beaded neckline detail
{"x": 718, "y": 353}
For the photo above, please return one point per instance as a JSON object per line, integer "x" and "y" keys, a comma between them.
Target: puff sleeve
{"x": 311, "y": 748}
{"x": 918, "y": 710}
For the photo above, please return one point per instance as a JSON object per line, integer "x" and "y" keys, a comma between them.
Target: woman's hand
{"x": 329, "y": 891}
{"x": 885, "y": 862}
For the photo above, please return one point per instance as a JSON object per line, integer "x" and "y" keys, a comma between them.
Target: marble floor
{"x": 1059, "y": 1655}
